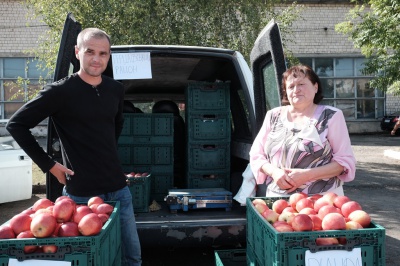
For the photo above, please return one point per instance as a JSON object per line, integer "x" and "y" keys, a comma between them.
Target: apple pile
{"x": 301, "y": 212}
{"x": 136, "y": 174}
{"x": 61, "y": 218}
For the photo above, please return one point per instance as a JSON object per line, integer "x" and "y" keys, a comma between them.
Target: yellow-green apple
{"x": 326, "y": 241}
{"x": 287, "y": 217}
{"x": 95, "y": 200}
{"x": 308, "y": 211}
{"x": 361, "y": 217}
{"x": 340, "y": 200}
{"x": 279, "y": 205}
{"x": 63, "y": 210}
{"x": 327, "y": 209}
{"x": 302, "y": 222}
{"x": 304, "y": 203}
{"x": 43, "y": 225}
{"x": 6, "y": 232}
{"x": 79, "y": 212}
{"x": 20, "y": 222}
{"x": 353, "y": 225}
{"x": 317, "y": 222}
{"x": 295, "y": 197}
{"x": 330, "y": 196}
{"x": 270, "y": 215}
{"x": 333, "y": 221}
{"x": 68, "y": 229}
{"x": 282, "y": 226}
{"x": 90, "y": 225}
{"x": 42, "y": 204}
{"x": 28, "y": 248}
{"x": 105, "y": 208}
{"x": 320, "y": 202}
{"x": 349, "y": 207}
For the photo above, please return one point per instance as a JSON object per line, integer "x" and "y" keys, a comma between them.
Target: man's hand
{"x": 60, "y": 172}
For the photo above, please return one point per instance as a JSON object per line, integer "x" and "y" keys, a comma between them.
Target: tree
{"x": 192, "y": 22}
{"x": 373, "y": 26}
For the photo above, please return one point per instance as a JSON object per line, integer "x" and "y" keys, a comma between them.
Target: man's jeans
{"x": 131, "y": 251}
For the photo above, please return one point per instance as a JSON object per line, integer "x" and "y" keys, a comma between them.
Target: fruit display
{"x": 302, "y": 212}
{"x": 61, "y": 218}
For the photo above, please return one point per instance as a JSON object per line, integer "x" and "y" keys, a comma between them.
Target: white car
{"x": 15, "y": 172}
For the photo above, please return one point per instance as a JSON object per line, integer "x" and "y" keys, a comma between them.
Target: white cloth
{"x": 248, "y": 188}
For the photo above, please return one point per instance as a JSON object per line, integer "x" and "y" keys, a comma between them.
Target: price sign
{"x": 131, "y": 66}
{"x": 334, "y": 258}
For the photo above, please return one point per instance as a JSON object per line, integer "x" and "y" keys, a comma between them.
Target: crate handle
{"x": 208, "y": 147}
{"x": 20, "y": 255}
{"x": 350, "y": 244}
{"x": 209, "y": 118}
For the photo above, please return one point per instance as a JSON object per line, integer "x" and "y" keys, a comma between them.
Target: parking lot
{"x": 376, "y": 187}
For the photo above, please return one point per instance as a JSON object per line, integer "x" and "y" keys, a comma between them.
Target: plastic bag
{"x": 248, "y": 188}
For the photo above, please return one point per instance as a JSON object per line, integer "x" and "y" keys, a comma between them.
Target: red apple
{"x": 42, "y": 204}
{"x": 93, "y": 207}
{"x": 270, "y": 215}
{"x": 340, "y": 200}
{"x": 63, "y": 210}
{"x": 28, "y": 234}
{"x": 279, "y": 205}
{"x": 43, "y": 225}
{"x": 317, "y": 222}
{"x": 105, "y": 208}
{"x": 95, "y": 200}
{"x": 330, "y": 196}
{"x": 90, "y": 225}
{"x": 353, "y": 225}
{"x": 287, "y": 217}
{"x": 289, "y": 209}
{"x": 314, "y": 197}
{"x": 104, "y": 217}
{"x": 282, "y": 226}
{"x": 260, "y": 207}
{"x": 302, "y": 222}
{"x": 28, "y": 211}
{"x": 326, "y": 241}
{"x": 6, "y": 232}
{"x": 327, "y": 209}
{"x": 361, "y": 217}
{"x": 61, "y": 198}
{"x": 308, "y": 211}
{"x": 319, "y": 203}
{"x": 333, "y": 221}
{"x": 80, "y": 211}
{"x": 304, "y": 203}
{"x": 349, "y": 207}
{"x": 40, "y": 211}
{"x": 49, "y": 249}
{"x": 255, "y": 201}
{"x": 20, "y": 222}
{"x": 295, "y": 197}
{"x": 68, "y": 229}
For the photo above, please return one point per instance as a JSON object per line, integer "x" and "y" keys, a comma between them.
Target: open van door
{"x": 268, "y": 64}
{"x": 65, "y": 60}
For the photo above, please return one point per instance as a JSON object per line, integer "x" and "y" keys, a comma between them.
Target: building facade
{"x": 315, "y": 43}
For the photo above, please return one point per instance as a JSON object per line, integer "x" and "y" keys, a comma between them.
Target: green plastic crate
{"x": 205, "y": 96}
{"x": 103, "y": 249}
{"x": 208, "y": 179}
{"x": 209, "y": 156}
{"x": 230, "y": 257}
{"x": 286, "y": 249}
{"x": 146, "y": 154}
{"x": 140, "y": 188}
{"x": 209, "y": 127}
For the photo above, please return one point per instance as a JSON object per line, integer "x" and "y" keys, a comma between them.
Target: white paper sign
{"x": 15, "y": 262}
{"x": 131, "y": 65}
{"x": 334, "y": 258}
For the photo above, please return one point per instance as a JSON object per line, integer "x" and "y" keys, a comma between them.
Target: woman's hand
{"x": 60, "y": 172}
{"x": 298, "y": 177}
{"x": 282, "y": 179}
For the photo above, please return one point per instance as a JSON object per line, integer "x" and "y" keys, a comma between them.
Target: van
{"x": 221, "y": 103}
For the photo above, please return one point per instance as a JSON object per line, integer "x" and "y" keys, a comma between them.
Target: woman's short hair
{"x": 298, "y": 71}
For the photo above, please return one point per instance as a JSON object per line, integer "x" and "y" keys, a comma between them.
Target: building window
{"x": 20, "y": 80}
{"x": 345, "y": 87}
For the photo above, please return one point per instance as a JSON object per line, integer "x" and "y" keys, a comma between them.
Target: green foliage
{"x": 234, "y": 25}
{"x": 375, "y": 29}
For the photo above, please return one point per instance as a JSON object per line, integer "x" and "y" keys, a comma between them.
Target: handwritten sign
{"x": 15, "y": 262}
{"x": 131, "y": 65}
{"x": 334, "y": 258}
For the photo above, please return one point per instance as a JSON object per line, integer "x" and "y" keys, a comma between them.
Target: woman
{"x": 302, "y": 145}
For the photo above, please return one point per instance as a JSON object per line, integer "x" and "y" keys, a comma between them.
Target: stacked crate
{"x": 208, "y": 135}
{"x": 146, "y": 145}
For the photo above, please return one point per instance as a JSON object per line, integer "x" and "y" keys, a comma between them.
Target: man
{"x": 86, "y": 111}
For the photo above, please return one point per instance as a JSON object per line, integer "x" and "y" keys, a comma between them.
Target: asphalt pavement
{"x": 376, "y": 187}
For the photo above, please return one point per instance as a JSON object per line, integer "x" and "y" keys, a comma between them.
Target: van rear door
{"x": 267, "y": 64}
